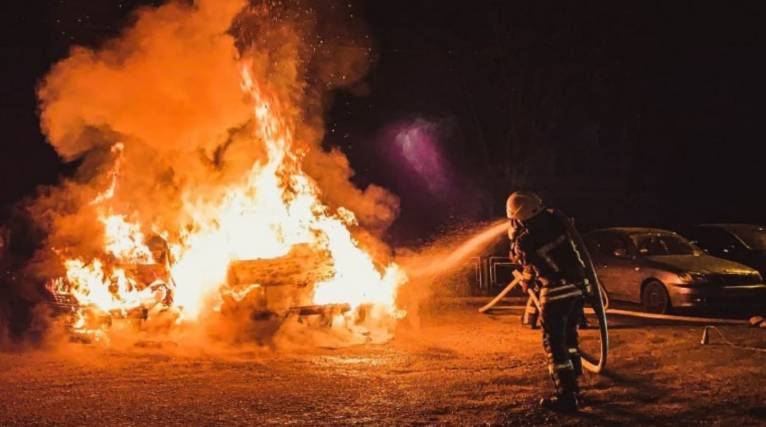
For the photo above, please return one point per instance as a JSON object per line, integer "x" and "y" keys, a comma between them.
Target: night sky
{"x": 631, "y": 114}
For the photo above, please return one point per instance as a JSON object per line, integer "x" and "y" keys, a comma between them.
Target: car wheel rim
{"x": 656, "y": 300}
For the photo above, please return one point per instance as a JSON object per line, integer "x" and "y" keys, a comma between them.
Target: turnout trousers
{"x": 560, "y": 318}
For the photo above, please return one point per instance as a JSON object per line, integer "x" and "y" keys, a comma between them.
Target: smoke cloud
{"x": 169, "y": 89}
{"x": 171, "y": 82}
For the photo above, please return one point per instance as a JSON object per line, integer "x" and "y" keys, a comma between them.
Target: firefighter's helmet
{"x": 523, "y": 205}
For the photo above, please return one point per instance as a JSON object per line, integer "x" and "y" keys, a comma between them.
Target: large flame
{"x": 274, "y": 207}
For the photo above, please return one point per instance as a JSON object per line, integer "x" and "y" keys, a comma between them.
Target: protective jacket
{"x": 543, "y": 246}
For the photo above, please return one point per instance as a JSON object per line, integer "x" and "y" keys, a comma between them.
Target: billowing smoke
{"x": 159, "y": 114}
{"x": 169, "y": 90}
{"x": 170, "y": 82}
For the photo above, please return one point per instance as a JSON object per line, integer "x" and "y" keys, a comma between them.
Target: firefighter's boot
{"x": 565, "y": 381}
{"x": 566, "y": 403}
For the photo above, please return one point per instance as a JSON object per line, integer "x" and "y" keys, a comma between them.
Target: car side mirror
{"x": 620, "y": 253}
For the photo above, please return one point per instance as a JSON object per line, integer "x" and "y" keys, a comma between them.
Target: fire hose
{"x": 597, "y": 367}
{"x": 589, "y": 363}
{"x": 594, "y": 367}
{"x": 595, "y": 296}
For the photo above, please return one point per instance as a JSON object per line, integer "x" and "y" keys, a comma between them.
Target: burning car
{"x": 146, "y": 288}
{"x": 276, "y": 288}
{"x": 225, "y": 161}
{"x": 257, "y": 289}
{"x": 663, "y": 271}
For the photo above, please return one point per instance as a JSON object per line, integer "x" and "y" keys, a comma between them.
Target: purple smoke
{"x": 417, "y": 143}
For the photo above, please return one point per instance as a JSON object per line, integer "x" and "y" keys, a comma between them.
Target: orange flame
{"x": 272, "y": 208}
{"x": 277, "y": 206}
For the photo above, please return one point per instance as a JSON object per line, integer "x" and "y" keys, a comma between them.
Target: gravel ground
{"x": 449, "y": 365}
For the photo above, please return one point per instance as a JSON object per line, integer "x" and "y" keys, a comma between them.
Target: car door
{"x": 615, "y": 264}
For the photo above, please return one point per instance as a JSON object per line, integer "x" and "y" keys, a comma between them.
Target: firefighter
{"x": 555, "y": 271}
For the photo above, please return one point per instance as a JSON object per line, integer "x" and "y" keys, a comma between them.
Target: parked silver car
{"x": 662, "y": 270}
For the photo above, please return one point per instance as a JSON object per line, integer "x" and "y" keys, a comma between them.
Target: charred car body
{"x": 261, "y": 291}
{"x": 153, "y": 291}
{"x": 273, "y": 289}
{"x": 663, "y": 271}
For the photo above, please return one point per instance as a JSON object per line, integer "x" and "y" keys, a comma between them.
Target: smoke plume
{"x": 169, "y": 90}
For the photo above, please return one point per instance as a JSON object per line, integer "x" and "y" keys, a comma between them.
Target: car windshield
{"x": 751, "y": 235}
{"x": 662, "y": 244}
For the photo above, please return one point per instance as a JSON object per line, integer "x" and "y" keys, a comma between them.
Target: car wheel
{"x": 655, "y": 298}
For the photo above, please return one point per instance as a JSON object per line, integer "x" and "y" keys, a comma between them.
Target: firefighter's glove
{"x": 527, "y": 278}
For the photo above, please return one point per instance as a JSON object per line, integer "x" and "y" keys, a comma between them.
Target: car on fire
{"x": 663, "y": 272}
{"x": 265, "y": 291}
{"x": 742, "y": 243}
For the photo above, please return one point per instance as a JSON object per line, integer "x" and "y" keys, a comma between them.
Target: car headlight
{"x": 692, "y": 278}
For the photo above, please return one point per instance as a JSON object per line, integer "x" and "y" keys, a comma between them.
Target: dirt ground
{"x": 456, "y": 367}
